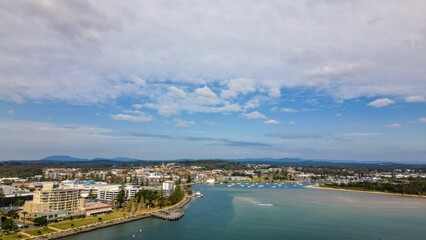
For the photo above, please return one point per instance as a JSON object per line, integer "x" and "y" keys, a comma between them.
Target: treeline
{"x": 413, "y": 187}
{"x": 147, "y": 198}
{"x": 215, "y": 164}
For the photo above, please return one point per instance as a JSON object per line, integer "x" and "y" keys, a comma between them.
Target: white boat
{"x": 198, "y": 195}
{"x": 210, "y": 181}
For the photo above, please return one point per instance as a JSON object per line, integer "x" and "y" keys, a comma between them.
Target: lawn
{"x": 89, "y": 220}
{"x": 13, "y": 236}
{"x": 43, "y": 230}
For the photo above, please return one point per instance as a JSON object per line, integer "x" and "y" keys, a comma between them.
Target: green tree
{"x": 177, "y": 195}
{"x": 13, "y": 214}
{"x": 19, "y": 203}
{"x": 189, "y": 179}
{"x": 147, "y": 195}
{"x": 121, "y": 197}
{"x": 8, "y": 225}
{"x": 40, "y": 221}
{"x": 1, "y": 196}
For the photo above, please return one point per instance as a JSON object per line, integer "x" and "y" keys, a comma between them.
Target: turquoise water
{"x": 289, "y": 211}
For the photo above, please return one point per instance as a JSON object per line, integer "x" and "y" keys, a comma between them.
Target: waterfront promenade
{"x": 54, "y": 232}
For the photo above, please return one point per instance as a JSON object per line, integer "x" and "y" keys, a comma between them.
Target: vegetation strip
{"x": 363, "y": 191}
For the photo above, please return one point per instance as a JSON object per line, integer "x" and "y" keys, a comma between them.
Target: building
{"x": 50, "y": 199}
{"x": 109, "y": 193}
{"x": 93, "y": 209}
{"x": 168, "y": 185}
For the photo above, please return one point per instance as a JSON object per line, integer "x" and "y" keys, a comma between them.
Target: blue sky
{"x": 213, "y": 79}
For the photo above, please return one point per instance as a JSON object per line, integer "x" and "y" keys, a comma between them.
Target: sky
{"x": 339, "y": 80}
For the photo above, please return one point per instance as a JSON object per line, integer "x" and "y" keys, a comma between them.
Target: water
{"x": 288, "y": 211}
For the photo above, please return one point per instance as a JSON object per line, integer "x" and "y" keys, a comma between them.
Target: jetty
{"x": 168, "y": 215}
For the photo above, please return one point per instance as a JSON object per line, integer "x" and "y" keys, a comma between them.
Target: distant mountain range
{"x": 279, "y": 161}
{"x": 74, "y": 159}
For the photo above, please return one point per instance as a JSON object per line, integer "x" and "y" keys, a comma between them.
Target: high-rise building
{"x": 50, "y": 198}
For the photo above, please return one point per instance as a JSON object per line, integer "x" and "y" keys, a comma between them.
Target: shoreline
{"x": 92, "y": 227}
{"x": 361, "y": 191}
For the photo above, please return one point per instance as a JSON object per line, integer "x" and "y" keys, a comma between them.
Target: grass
{"x": 13, "y": 236}
{"x": 43, "y": 230}
{"x": 90, "y": 220}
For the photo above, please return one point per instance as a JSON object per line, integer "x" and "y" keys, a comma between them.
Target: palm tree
{"x": 25, "y": 214}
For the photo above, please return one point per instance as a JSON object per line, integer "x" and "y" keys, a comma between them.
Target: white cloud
{"x": 413, "y": 99}
{"x": 253, "y": 115}
{"x": 359, "y": 134}
{"x": 394, "y": 125}
{"x": 253, "y": 103}
{"x": 174, "y": 91}
{"x": 133, "y": 116}
{"x": 382, "y": 102}
{"x": 239, "y": 86}
{"x": 181, "y": 123}
{"x": 422, "y": 119}
{"x": 138, "y": 81}
{"x": 98, "y": 53}
{"x": 10, "y": 112}
{"x": 137, "y": 106}
{"x": 289, "y": 110}
{"x": 271, "y": 122}
{"x": 338, "y": 70}
{"x": 339, "y": 114}
{"x": 205, "y": 94}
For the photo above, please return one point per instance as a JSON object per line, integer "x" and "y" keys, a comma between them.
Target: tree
{"x": 8, "y": 225}
{"x": 121, "y": 196}
{"x": 40, "y": 221}
{"x": 189, "y": 179}
{"x": 177, "y": 195}
{"x": 1, "y": 196}
{"x": 19, "y": 203}
{"x": 13, "y": 214}
{"x": 148, "y": 196}
{"x": 25, "y": 215}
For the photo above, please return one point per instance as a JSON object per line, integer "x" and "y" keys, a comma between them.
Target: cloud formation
{"x": 253, "y": 115}
{"x": 382, "y": 102}
{"x": 181, "y": 123}
{"x": 271, "y": 122}
{"x": 414, "y": 99}
{"x": 99, "y": 51}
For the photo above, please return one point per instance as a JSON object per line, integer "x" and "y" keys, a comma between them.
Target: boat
{"x": 210, "y": 181}
{"x": 198, "y": 195}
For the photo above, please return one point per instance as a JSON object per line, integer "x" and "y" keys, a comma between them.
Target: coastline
{"x": 361, "y": 191}
{"x": 92, "y": 227}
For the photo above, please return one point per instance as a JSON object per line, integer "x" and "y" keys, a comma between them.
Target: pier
{"x": 168, "y": 215}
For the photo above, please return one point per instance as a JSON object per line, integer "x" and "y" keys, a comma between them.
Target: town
{"x": 62, "y": 197}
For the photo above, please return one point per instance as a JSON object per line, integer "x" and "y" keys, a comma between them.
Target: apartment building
{"x": 50, "y": 198}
